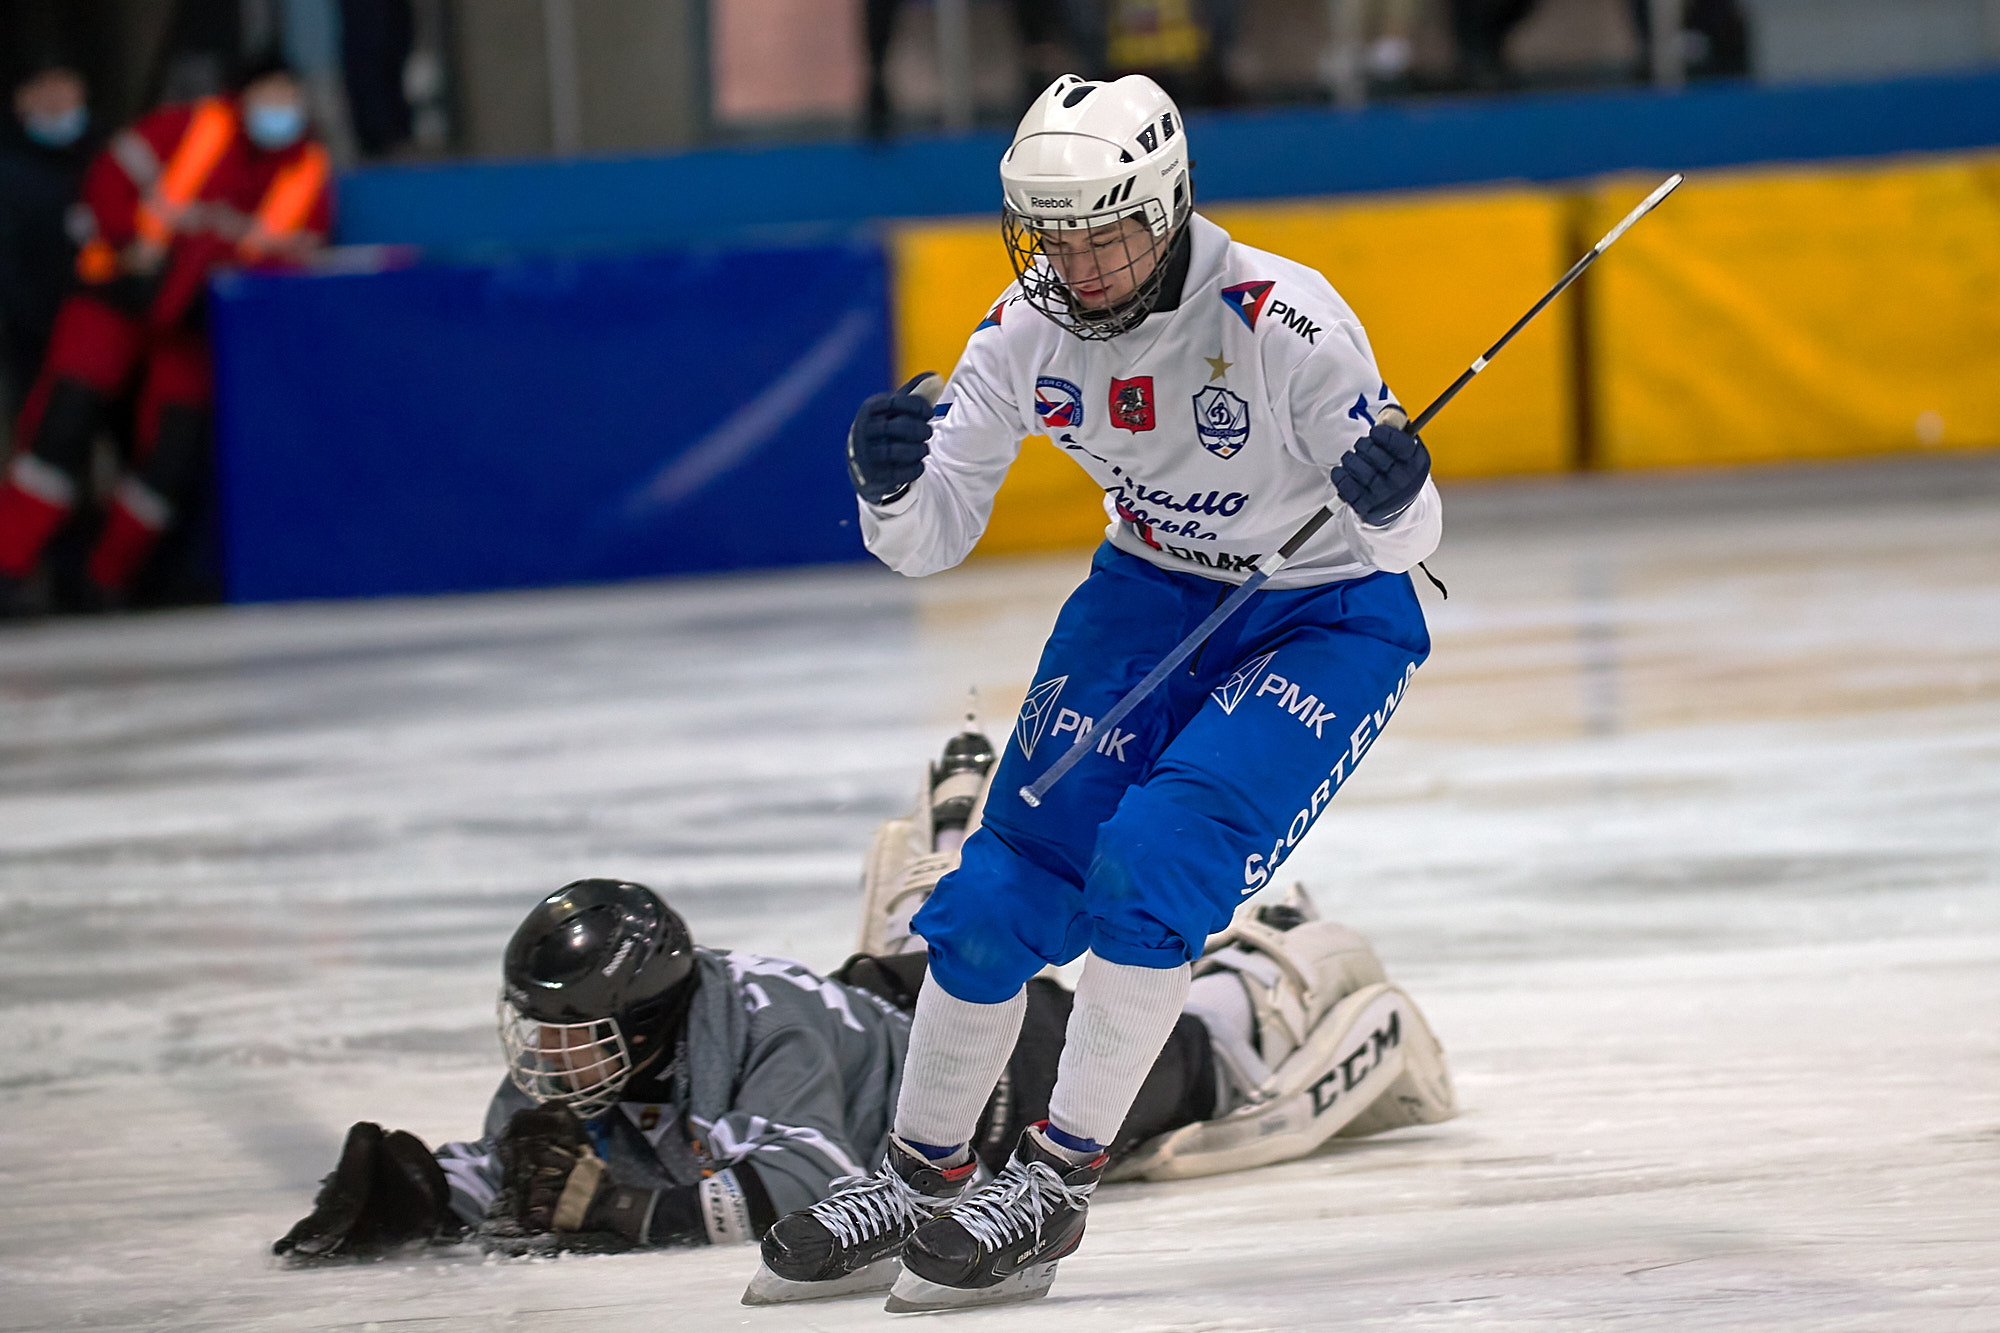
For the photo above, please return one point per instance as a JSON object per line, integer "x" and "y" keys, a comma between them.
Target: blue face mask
{"x": 273, "y": 127}
{"x": 58, "y": 131}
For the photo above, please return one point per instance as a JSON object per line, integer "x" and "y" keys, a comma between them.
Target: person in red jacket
{"x": 235, "y": 180}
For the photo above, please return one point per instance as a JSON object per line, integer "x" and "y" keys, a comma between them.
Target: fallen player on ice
{"x": 660, "y": 1093}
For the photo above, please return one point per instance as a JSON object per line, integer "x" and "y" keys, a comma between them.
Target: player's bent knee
{"x": 996, "y": 921}
{"x": 1164, "y": 878}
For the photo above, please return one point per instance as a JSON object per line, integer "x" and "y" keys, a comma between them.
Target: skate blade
{"x": 913, "y": 1295}
{"x": 767, "y": 1288}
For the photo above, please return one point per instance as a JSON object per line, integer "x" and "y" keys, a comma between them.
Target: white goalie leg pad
{"x": 886, "y": 908}
{"x": 902, "y": 868}
{"x": 1292, "y": 977}
{"x": 1370, "y": 1064}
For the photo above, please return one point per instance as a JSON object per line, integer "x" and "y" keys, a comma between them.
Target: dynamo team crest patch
{"x": 1222, "y": 420}
{"x": 1058, "y": 403}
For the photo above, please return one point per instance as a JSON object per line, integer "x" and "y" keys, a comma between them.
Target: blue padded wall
{"x": 594, "y": 203}
{"x": 542, "y": 421}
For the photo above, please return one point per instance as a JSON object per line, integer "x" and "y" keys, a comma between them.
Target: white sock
{"x": 1121, "y": 1020}
{"x": 957, "y": 1050}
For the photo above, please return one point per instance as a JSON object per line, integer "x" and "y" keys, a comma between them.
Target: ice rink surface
{"x": 1687, "y": 840}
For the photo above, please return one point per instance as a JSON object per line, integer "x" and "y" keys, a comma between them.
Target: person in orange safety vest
{"x": 228, "y": 180}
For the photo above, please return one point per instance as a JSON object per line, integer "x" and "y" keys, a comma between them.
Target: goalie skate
{"x": 1340, "y": 1050}
{"x": 911, "y": 854}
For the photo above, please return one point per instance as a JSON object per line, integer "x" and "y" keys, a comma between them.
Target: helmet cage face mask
{"x": 584, "y": 1066}
{"x": 596, "y": 982}
{"x": 1086, "y": 157}
{"x": 1044, "y": 286}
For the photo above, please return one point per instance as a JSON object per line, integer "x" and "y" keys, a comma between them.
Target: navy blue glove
{"x": 1381, "y": 477}
{"x": 890, "y": 438}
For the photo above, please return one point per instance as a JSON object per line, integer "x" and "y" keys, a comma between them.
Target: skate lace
{"x": 863, "y": 1207}
{"x": 1021, "y": 1197}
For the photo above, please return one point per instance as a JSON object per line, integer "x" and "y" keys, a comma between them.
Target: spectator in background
{"x": 1183, "y": 45}
{"x": 1481, "y": 28}
{"x": 203, "y": 40}
{"x": 1040, "y": 23}
{"x": 1714, "y": 41}
{"x": 235, "y": 179}
{"x": 44, "y": 147}
{"x": 1369, "y": 48}
{"x": 376, "y": 39}
{"x": 350, "y": 55}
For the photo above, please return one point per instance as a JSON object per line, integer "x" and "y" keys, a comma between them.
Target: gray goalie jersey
{"x": 782, "y": 1072}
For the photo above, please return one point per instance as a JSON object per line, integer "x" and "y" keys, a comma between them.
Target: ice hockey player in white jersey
{"x": 1220, "y": 396}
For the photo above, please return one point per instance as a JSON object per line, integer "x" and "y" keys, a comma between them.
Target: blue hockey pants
{"x": 1190, "y": 804}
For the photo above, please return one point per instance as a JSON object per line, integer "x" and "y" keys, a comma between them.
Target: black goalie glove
{"x": 387, "y": 1192}
{"x": 1383, "y": 474}
{"x": 550, "y": 1174}
{"x": 557, "y": 1195}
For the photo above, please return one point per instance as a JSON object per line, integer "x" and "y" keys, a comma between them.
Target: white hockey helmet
{"x": 1087, "y": 155}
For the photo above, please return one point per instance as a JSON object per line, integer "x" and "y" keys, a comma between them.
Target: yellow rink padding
{"x": 947, "y": 275}
{"x": 1801, "y": 312}
{"x": 1434, "y": 278}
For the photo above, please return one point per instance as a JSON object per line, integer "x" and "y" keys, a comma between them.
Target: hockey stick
{"x": 1087, "y": 737}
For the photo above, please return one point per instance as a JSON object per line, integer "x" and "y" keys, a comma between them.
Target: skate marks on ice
{"x": 1683, "y": 841}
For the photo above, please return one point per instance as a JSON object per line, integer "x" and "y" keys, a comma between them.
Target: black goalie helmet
{"x": 592, "y": 981}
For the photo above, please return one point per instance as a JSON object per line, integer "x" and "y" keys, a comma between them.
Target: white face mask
{"x": 582, "y": 1065}
{"x": 272, "y": 127}
{"x": 60, "y": 130}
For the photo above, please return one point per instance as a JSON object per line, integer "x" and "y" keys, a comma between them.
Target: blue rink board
{"x": 542, "y": 421}
{"x": 576, "y": 204}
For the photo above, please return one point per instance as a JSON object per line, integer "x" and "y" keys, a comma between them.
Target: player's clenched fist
{"x": 890, "y": 439}
{"x": 1381, "y": 477}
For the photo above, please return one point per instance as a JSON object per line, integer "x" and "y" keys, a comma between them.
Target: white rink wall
{"x": 1687, "y": 840}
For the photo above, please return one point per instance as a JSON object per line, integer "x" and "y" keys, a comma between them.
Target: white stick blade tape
{"x": 1645, "y": 206}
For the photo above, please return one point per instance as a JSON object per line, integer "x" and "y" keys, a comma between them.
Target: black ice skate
{"x": 852, "y": 1241}
{"x": 1002, "y": 1242}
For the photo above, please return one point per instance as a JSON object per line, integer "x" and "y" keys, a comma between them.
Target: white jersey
{"x": 1212, "y": 428}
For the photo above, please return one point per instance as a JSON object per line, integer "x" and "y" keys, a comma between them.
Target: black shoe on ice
{"x": 1002, "y": 1241}
{"x": 852, "y": 1241}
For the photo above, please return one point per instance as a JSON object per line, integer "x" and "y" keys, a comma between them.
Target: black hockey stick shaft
{"x": 1646, "y": 205}
{"x": 1087, "y": 737}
